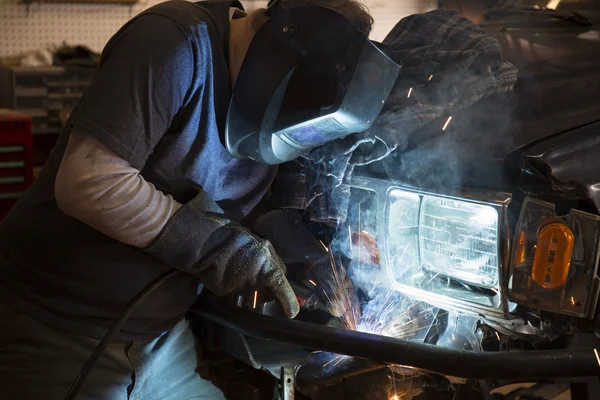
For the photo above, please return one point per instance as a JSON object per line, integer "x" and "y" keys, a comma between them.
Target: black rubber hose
{"x": 536, "y": 365}
{"x": 114, "y": 329}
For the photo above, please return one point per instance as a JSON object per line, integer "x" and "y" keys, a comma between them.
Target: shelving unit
{"x": 43, "y": 93}
{"x": 16, "y": 167}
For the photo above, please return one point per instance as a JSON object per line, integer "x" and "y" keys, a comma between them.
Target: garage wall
{"x": 25, "y": 28}
{"x": 387, "y": 13}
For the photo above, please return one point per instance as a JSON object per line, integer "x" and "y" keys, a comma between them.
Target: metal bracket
{"x": 286, "y": 385}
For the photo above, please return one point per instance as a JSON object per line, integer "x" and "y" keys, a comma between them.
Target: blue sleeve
{"x": 144, "y": 77}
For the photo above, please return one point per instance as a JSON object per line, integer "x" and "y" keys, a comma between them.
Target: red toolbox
{"x": 16, "y": 157}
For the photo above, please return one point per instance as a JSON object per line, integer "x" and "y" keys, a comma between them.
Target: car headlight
{"x": 457, "y": 239}
{"x": 446, "y": 250}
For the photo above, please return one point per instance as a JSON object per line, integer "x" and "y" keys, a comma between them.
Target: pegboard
{"x": 40, "y": 25}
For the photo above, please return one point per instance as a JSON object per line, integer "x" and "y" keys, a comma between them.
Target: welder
{"x": 161, "y": 160}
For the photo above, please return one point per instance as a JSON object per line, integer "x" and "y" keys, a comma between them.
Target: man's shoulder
{"x": 189, "y": 14}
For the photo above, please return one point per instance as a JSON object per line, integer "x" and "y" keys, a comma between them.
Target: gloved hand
{"x": 308, "y": 261}
{"x": 199, "y": 239}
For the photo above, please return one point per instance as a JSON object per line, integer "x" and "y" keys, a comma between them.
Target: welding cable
{"x": 114, "y": 329}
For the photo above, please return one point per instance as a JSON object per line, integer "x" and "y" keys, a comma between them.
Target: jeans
{"x": 40, "y": 362}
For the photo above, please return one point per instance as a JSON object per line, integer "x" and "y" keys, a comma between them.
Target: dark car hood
{"x": 559, "y": 76}
{"x": 557, "y": 93}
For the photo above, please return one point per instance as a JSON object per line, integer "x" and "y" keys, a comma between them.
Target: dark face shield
{"x": 309, "y": 77}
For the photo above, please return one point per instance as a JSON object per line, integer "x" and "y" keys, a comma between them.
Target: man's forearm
{"x": 103, "y": 190}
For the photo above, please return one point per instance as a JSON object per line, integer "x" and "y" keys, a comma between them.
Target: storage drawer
{"x": 30, "y": 103}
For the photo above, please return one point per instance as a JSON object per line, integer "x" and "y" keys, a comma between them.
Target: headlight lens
{"x": 459, "y": 239}
{"x": 448, "y": 237}
{"x": 448, "y": 251}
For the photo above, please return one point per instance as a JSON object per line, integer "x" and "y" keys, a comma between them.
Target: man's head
{"x": 352, "y": 10}
{"x": 310, "y": 75}
{"x": 244, "y": 29}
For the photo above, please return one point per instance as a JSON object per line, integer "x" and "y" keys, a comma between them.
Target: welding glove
{"x": 309, "y": 261}
{"x": 199, "y": 239}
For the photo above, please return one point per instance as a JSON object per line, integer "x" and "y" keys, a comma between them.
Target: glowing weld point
{"x": 255, "y": 298}
{"x": 453, "y": 337}
{"x": 394, "y": 397}
{"x": 597, "y": 356}
{"x": 498, "y": 336}
{"x": 312, "y": 282}
{"x": 430, "y": 77}
{"x": 572, "y": 300}
{"x": 447, "y": 122}
{"x": 409, "y": 92}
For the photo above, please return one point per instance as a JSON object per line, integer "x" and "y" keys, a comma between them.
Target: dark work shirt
{"x": 159, "y": 100}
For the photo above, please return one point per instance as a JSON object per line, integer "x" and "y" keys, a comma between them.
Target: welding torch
{"x": 308, "y": 299}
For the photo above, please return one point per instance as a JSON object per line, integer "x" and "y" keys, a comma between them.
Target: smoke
{"x": 384, "y": 310}
{"x": 468, "y": 153}
{"x": 447, "y": 124}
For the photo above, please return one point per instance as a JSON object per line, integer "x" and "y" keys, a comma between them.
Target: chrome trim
{"x": 498, "y": 200}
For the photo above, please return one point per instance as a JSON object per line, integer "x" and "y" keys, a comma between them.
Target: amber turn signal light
{"x": 553, "y": 255}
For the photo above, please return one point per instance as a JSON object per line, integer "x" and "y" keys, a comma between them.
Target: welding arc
{"x": 479, "y": 365}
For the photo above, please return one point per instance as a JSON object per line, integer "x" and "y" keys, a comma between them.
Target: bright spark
{"x": 325, "y": 247}
{"x": 405, "y": 333}
{"x": 350, "y": 237}
{"x": 498, "y": 336}
{"x": 336, "y": 360}
{"x": 255, "y": 298}
{"x": 312, "y": 282}
{"x": 409, "y": 92}
{"x": 435, "y": 276}
{"x": 572, "y": 300}
{"x": 394, "y": 397}
{"x": 359, "y": 239}
{"x": 597, "y": 356}
{"x": 430, "y": 77}
{"x": 447, "y": 122}
{"x": 553, "y": 4}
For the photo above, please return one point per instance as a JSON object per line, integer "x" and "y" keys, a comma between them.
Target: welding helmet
{"x": 309, "y": 77}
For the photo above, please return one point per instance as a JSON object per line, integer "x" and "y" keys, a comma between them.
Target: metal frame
{"x": 535, "y": 365}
